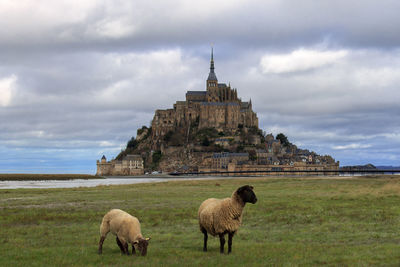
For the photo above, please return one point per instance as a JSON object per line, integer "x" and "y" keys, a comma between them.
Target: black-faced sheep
{"x": 127, "y": 229}
{"x": 224, "y": 216}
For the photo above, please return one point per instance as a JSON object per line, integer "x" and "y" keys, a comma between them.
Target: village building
{"x": 129, "y": 165}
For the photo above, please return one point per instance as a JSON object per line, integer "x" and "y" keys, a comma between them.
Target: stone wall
{"x": 297, "y": 166}
{"x": 130, "y": 165}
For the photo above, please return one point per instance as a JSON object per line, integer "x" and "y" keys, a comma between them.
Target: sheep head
{"x": 247, "y": 194}
{"x": 142, "y": 245}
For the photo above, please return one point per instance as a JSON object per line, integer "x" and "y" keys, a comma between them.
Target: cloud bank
{"x": 77, "y": 78}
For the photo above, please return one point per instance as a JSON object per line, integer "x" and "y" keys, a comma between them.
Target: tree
{"x": 284, "y": 141}
{"x": 140, "y": 131}
{"x": 205, "y": 142}
{"x": 156, "y": 157}
{"x": 252, "y": 155}
{"x": 132, "y": 143}
{"x": 168, "y": 136}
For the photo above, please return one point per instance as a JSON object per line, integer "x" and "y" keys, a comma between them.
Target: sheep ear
{"x": 136, "y": 242}
{"x": 242, "y": 188}
{"x": 251, "y": 187}
{"x": 148, "y": 238}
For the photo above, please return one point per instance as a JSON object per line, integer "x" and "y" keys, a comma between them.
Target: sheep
{"x": 224, "y": 216}
{"x": 127, "y": 229}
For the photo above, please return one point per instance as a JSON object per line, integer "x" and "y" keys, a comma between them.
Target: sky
{"x": 78, "y": 78}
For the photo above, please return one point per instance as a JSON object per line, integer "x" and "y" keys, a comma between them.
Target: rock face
{"x": 212, "y": 130}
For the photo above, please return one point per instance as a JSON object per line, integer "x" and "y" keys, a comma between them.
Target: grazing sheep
{"x": 127, "y": 229}
{"x": 224, "y": 216}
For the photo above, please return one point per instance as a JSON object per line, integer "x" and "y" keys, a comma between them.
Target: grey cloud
{"x": 249, "y": 24}
{"x": 81, "y": 88}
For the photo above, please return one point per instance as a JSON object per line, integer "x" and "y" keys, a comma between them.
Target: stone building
{"x": 218, "y": 107}
{"x": 293, "y": 168}
{"x": 221, "y": 160}
{"x": 129, "y": 165}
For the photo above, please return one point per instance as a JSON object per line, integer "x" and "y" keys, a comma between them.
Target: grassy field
{"x": 27, "y": 177}
{"x": 353, "y": 222}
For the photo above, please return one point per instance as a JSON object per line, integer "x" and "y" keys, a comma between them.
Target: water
{"x": 120, "y": 180}
{"x": 91, "y": 182}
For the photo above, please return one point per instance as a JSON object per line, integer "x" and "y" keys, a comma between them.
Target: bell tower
{"x": 212, "y": 81}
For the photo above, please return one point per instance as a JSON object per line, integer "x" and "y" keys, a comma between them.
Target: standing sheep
{"x": 127, "y": 229}
{"x": 224, "y": 216}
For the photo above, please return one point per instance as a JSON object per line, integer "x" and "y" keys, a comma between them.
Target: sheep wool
{"x": 127, "y": 229}
{"x": 220, "y": 215}
{"x": 224, "y": 216}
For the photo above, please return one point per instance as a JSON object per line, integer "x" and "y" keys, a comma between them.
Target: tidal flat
{"x": 296, "y": 221}
{"x": 40, "y": 177}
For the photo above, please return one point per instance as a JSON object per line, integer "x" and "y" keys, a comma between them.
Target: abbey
{"x": 218, "y": 107}
{"x": 211, "y": 131}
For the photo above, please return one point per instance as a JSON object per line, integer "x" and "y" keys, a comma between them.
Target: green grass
{"x": 296, "y": 222}
{"x": 30, "y": 177}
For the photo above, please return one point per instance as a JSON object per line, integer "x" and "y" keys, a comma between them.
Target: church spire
{"x": 211, "y": 75}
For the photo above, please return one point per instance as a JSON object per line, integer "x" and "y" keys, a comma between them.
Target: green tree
{"x": 205, "y": 141}
{"x": 284, "y": 140}
{"x": 252, "y": 155}
{"x": 156, "y": 157}
{"x": 132, "y": 143}
{"x": 141, "y": 130}
{"x": 168, "y": 136}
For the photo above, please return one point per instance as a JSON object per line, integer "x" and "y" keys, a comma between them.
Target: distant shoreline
{"x": 41, "y": 177}
{"x": 63, "y": 177}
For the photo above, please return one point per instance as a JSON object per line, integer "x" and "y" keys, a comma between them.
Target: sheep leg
{"x": 120, "y": 246}
{"x": 133, "y": 249}
{"x": 230, "y": 236}
{"x": 205, "y": 238}
{"x": 126, "y": 247}
{"x": 221, "y": 243}
{"x": 101, "y": 244}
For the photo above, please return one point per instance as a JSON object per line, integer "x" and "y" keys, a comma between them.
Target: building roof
{"x": 219, "y": 104}
{"x": 211, "y": 75}
{"x": 229, "y": 155}
{"x": 133, "y": 157}
{"x": 196, "y": 92}
{"x": 245, "y": 105}
{"x": 221, "y": 85}
{"x": 223, "y": 139}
